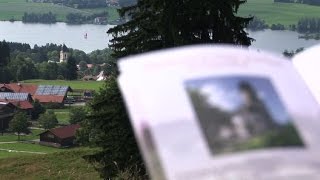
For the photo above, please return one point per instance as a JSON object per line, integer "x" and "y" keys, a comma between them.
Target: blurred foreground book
{"x": 220, "y": 112}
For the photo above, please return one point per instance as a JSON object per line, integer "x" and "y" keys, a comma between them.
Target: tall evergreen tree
{"x": 157, "y": 24}
{"x": 5, "y": 75}
{"x": 71, "y": 66}
{"x": 154, "y": 24}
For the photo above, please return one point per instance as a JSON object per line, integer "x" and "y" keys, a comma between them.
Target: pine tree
{"x": 71, "y": 66}
{"x": 157, "y": 24}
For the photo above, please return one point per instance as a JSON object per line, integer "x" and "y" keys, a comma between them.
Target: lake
{"x": 97, "y": 38}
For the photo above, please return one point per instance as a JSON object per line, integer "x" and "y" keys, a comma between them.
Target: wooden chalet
{"x": 59, "y": 137}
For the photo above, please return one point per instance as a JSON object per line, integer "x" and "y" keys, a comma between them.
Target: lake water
{"x": 73, "y": 36}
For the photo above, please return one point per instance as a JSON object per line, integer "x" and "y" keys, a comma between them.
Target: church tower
{"x": 63, "y": 53}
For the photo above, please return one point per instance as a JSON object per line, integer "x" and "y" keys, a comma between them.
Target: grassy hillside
{"x": 283, "y": 13}
{"x": 59, "y": 165}
{"x": 16, "y": 8}
{"x": 90, "y": 85}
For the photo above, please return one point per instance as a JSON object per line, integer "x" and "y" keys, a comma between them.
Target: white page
{"x": 158, "y": 82}
{"x": 307, "y": 64}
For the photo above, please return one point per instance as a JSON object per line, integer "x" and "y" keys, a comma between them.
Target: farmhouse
{"x": 22, "y": 101}
{"x": 19, "y": 88}
{"x": 6, "y": 114}
{"x": 52, "y": 94}
{"x": 59, "y": 137}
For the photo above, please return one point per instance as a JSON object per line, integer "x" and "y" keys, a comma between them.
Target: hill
{"x": 274, "y": 13}
{"x": 16, "y": 8}
{"x": 60, "y": 165}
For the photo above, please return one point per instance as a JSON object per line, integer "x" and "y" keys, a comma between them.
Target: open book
{"x": 220, "y": 112}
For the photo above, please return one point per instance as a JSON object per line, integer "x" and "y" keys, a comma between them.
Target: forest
{"x": 39, "y": 18}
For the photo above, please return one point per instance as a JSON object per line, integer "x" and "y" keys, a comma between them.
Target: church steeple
{"x": 63, "y": 53}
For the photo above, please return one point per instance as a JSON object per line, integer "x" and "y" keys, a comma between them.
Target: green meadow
{"x": 64, "y": 164}
{"x": 88, "y": 85}
{"x": 16, "y": 8}
{"x": 283, "y": 13}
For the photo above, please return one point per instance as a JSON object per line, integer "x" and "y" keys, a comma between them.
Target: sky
{"x": 223, "y": 92}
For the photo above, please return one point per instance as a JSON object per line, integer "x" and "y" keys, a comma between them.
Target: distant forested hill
{"x": 310, "y": 2}
{"x": 77, "y": 3}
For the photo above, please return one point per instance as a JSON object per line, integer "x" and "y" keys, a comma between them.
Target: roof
{"x": 65, "y": 131}
{"x": 14, "y": 96}
{"x": 52, "y": 90}
{"x": 22, "y": 104}
{"x": 49, "y": 98}
{"x": 21, "y": 88}
{"x": 19, "y": 104}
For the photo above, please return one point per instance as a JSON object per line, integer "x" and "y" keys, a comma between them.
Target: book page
{"x": 221, "y": 113}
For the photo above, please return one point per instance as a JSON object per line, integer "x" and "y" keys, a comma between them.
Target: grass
{"x": 60, "y": 165}
{"x": 283, "y": 13}
{"x": 11, "y": 137}
{"x": 63, "y": 115}
{"x": 30, "y": 147}
{"x": 16, "y": 8}
{"x": 89, "y": 85}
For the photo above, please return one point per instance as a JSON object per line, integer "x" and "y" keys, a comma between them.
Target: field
{"x": 89, "y": 85}
{"x": 12, "y": 137}
{"x": 16, "y": 8}
{"x": 283, "y": 13}
{"x": 59, "y": 165}
{"x": 63, "y": 115}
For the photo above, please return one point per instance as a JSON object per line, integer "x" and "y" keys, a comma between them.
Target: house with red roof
{"x": 19, "y": 88}
{"x": 59, "y": 137}
{"x": 22, "y": 101}
{"x": 44, "y": 93}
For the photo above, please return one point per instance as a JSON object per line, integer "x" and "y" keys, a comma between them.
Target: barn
{"x": 59, "y": 137}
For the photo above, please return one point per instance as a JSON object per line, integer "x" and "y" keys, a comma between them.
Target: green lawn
{"x": 90, "y": 85}
{"x": 59, "y": 165}
{"x": 11, "y": 137}
{"x": 16, "y": 9}
{"x": 30, "y": 147}
{"x": 63, "y": 115}
{"x": 283, "y": 13}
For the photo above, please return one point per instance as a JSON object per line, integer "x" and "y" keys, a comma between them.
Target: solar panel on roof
{"x": 14, "y": 96}
{"x": 52, "y": 90}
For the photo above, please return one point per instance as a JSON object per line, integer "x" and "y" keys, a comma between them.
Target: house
{"x": 100, "y": 20}
{"x": 22, "y": 101}
{"x": 59, "y": 137}
{"x": 19, "y": 88}
{"x": 51, "y": 94}
{"x": 6, "y": 114}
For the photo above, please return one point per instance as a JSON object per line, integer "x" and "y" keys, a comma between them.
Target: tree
{"x": 19, "y": 123}
{"x": 71, "y": 66}
{"x": 158, "y": 24}
{"x": 108, "y": 127}
{"x": 48, "y": 120}
{"x": 37, "y": 109}
{"x": 83, "y": 66}
{"x": 77, "y": 115}
{"x": 153, "y": 25}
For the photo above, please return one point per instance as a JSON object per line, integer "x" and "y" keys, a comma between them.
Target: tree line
{"x": 309, "y": 25}
{"x": 39, "y": 18}
{"x": 77, "y": 18}
{"x": 304, "y": 25}
{"x": 20, "y": 62}
{"x": 81, "y": 4}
